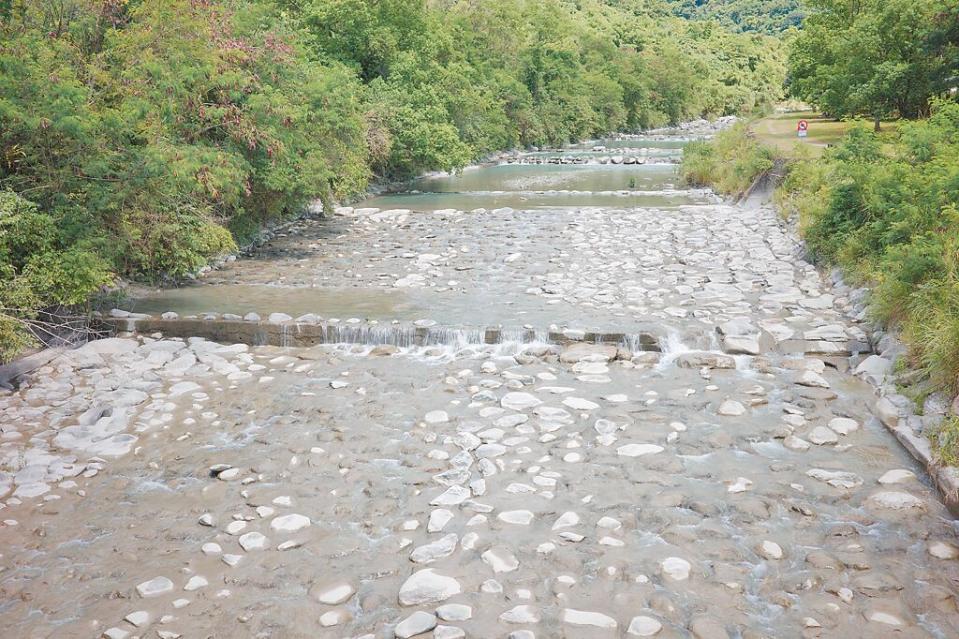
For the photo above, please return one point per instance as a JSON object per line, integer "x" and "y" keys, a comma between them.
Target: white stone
{"x": 416, "y": 624}
{"x": 578, "y": 403}
{"x": 500, "y": 560}
{"x": 643, "y": 626}
{"x": 517, "y": 517}
{"x": 843, "y": 425}
{"x": 155, "y": 587}
{"x": 454, "y": 612}
{"x": 566, "y": 520}
{"x": 770, "y": 550}
{"x": 731, "y": 408}
{"x": 195, "y": 583}
{"x": 427, "y": 586}
{"x": 676, "y": 568}
{"x": 290, "y": 523}
{"x": 253, "y": 541}
{"x": 820, "y": 435}
{"x": 943, "y": 550}
{"x": 139, "y": 618}
{"x": 521, "y": 614}
{"x": 638, "y": 450}
{"x": 519, "y": 401}
{"x": 336, "y": 594}
{"x": 896, "y": 476}
{"x": 895, "y": 500}
{"x": 588, "y": 618}
{"x": 438, "y": 549}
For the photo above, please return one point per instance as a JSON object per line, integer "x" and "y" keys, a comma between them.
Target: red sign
{"x": 803, "y": 126}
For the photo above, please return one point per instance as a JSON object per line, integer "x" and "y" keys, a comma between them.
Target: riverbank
{"x": 894, "y": 274}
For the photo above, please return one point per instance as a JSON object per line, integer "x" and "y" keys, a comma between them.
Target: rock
{"x": 155, "y": 587}
{"x": 140, "y": 618}
{"x": 769, "y": 550}
{"x": 874, "y": 369}
{"x": 943, "y": 550}
{"x": 334, "y": 618}
{"x": 519, "y": 401}
{"x": 742, "y": 344}
{"x": 705, "y": 360}
{"x": 843, "y": 425}
{"x": 279, "y": 318}
{"x": 335, "y": 594}
{"x": 580, "y": 351}
{"x": 812, "y": 379}
{"x": 416, "y": 624}
{"x": 436, "y": 417}
{"x": 896, "y": 476}
{"x": 638, "y": 450}
{"x": 895, "y": 500}
{"x": 566, "y": 520}
{"x": 835, "y": 478}
{"x": 448, "y": 632}
{"x": 578, "y": 403}
{"x": 676, "y": 568}
{"x": 516, "y": 517}
{"x": 820, "y": 435}
{"x": 253, "y": 541}
{"x": 290, "y": 523}
{"x": 885, "y": 618}
{"x": 887, "y": 412}
{"x": 428, "y": 553}
{"x": 707, "y": 628}
{"x": 642, "y": 626}
{"x": 195, "y": 583}
{"x": 521, "y": 614}
{"x": 454, "y": 612}
{"x": 587, "y": 618}
{"x": 427, "y": 586}
{"x": 500, "y": 560}
{"x": 731, "y": 408}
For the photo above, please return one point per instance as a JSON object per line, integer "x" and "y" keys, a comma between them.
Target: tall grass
{"x": 729, "y": 163}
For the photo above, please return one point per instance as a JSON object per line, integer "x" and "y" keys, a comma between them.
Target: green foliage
{"x": 449, "y": 82}
{"x": 730, "y": 163}
{"x": 150, "y": 135}
{"x": 38, "y": 269}
{"x": 875, "y": 57}
{"x": 887, "y": 210}
{"x": 763, "y": 16}
{"x": 945, "y": 441}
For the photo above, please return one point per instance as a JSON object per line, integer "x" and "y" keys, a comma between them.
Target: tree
{"x": 877, "y": 58}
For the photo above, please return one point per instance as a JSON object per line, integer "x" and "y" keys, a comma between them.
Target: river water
{"x": 730, "y": 483}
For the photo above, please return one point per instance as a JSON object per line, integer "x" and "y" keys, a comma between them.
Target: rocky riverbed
{"x": 733, "y": 482}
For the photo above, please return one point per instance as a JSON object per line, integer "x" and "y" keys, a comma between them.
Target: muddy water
{"x": 734, "y": 485}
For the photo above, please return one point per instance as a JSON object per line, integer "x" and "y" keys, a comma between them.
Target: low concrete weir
{"x": 293, "y": 333}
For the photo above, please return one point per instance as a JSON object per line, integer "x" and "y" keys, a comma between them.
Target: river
{"x": 725, "y": 478}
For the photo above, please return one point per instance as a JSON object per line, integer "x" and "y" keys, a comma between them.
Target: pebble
{"x": 155, "y": 587}
{"x": 642, "y": 626}
{"x": 416, "y": 624}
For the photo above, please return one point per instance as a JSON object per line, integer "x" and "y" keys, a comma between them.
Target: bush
{"x": 886, "y": 209}
{"x": 730, "y": 163}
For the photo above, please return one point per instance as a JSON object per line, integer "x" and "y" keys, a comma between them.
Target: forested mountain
{"x": 139, "y": 138}
{"x": 761, "y": 16}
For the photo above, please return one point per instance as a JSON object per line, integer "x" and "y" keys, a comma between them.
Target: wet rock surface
{"x": 739, "y": 483}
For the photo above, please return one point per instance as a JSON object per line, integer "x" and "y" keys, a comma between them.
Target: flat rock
{"x": 427, "y": 586}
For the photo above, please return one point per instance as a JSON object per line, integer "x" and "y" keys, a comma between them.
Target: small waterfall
{"x": 286, "y": 335}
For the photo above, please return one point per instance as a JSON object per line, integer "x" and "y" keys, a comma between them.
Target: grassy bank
{"x": 883, "y": 207}
{"x": 730, "y": 163}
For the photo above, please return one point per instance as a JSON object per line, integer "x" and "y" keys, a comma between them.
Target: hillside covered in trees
{"x": 761, "y": 16}
{"x": 139, "y": 139}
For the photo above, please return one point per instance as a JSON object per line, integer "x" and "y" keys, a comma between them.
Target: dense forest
{"x": 762, "y": 16}
{"x": 138, "y": 139}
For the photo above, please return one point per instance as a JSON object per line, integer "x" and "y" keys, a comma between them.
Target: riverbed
{"x": 730, "y": 482}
